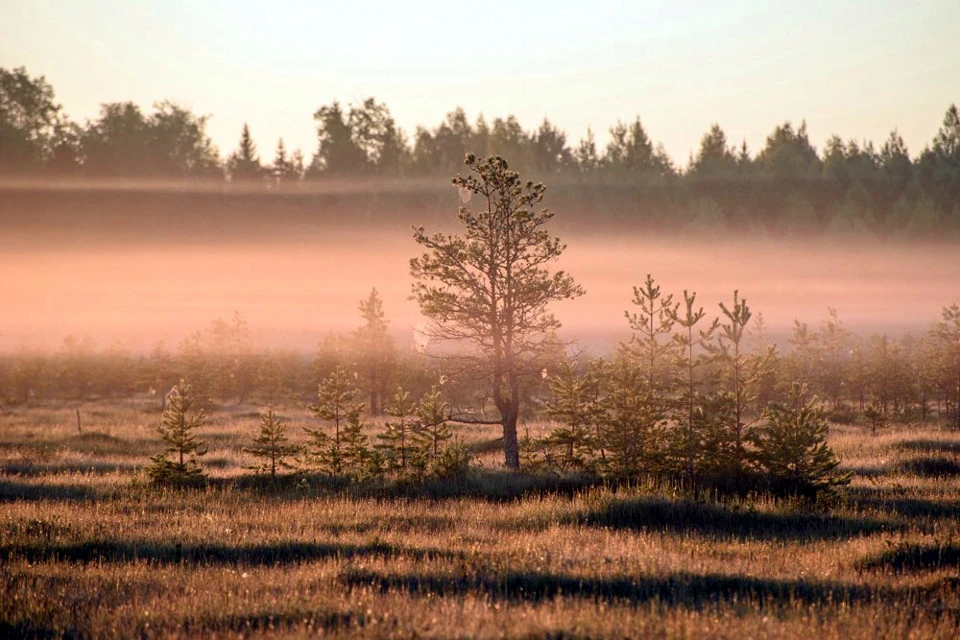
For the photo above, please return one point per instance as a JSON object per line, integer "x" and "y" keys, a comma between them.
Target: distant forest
{"x": 787, "y": 187}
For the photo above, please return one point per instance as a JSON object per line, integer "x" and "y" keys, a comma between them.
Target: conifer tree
{"x": 947, "y": 335}
{"x": 375, "y": 349}
{"x": 691, "y": 343}
{"x": 857, "y": 376}
{"x": 652, "y": 327}
{"x": 397, "y": 438}
{"x": 272, "y": 446}
{"x": 360, "y": 461}
{"x": 792, "y": 446}
{"x": 437, "y": 452}
{"x": 800, "y": 362}
{"x": 569, "y": 406}
{"x": 432, "y": 429}
{"x": 345, "y": 452}
{"x": 178, "y": 432}
{"x": 833, "y": 340}
{"x": 244, "y": 163}
{"x": 594, "y": 391}
{"x": 634, "y": 429}
{"x": 284, "y": 167}
{"x": 764, "y": 386}
{"x": 739, "y": 371}
{"x": 490, "y": 287}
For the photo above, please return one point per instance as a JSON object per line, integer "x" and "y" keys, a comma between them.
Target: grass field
{"x": 87, "y": 548}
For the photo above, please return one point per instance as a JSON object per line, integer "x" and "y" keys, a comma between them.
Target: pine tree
{"x": 792, "y": 447}
{"x": 272, "y": 445}
{"x": 687, "y": 438}
{"x": 431, "y": 432}
{"x": 800, "y": 362}
{"x": 764, "y": 385}
{"x": 595, "y": 400}
{"x": 375, "y": 349}
{"x": 178, "y": 432}
{"x": 739, "y": 371}
{"x": 568, "y": 405}
{"x": 284, "y": 168}
{"x": 947, "y": 335}
{"x": 360, "y": 461}
{"x": 586, "y": 156}
{"x": 244, "y": 163}
{"x": 491, "y": 286}
{"x": 833, "y": 341}
{"x": 397, "y": 438}
{"x": 345, "y": 452}
{"x": 433, "y": 428}
{"x": 652, "y": 327}
{"x": 635, "y": 423}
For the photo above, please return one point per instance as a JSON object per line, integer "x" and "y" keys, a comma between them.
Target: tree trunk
{"x": 511, "y": 447}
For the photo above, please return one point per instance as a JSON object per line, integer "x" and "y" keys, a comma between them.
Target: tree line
{"x": 850, "y": 187}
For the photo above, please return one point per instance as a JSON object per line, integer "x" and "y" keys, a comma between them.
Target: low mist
{"x": 292, "y": 292}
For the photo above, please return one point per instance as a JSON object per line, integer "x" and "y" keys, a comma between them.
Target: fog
{"x": 293, "y": 291}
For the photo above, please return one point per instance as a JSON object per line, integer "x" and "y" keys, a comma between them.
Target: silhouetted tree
{"x": 490, "y": 286}
{"x": 338, "y": 152}
{"x": 587, "y": 158}
{"x": 284, "y": 169}
{"x": 244, "y": 163}
{"x": 29, "y": 118}
{"x": 550, "y": 151}
{"x": 714, "y": 159}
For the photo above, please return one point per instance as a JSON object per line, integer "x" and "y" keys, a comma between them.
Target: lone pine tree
{"x": 489, "y": 287}
{"x": 178, "y": 432}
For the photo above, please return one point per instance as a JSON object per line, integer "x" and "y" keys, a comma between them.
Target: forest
{"x": 850, "y": 188}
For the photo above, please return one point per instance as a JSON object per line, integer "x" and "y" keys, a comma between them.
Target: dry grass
{"x": 88, "y": 549}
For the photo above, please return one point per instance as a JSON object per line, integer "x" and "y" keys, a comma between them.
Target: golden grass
{"x": 88, "y": 548}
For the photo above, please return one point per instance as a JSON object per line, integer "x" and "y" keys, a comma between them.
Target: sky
{"x": 857, "y": 69}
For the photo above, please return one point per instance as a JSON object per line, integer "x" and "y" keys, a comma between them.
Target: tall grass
{"x": 88, "y": 548}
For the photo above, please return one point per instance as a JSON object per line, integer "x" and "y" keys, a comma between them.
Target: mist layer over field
{"x": 292, "y": 291}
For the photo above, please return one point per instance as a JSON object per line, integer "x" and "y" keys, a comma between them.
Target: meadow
{"x": 89, "y": 548}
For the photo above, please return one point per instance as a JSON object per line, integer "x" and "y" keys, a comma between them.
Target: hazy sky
{"x": 854, "y": 68}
